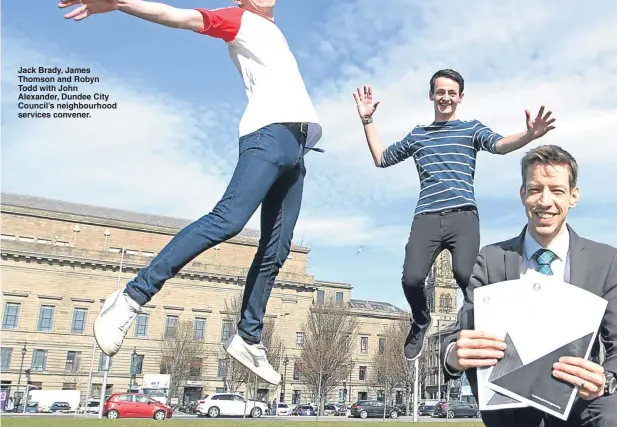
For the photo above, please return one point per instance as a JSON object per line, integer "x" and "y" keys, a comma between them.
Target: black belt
{"x": 452, "y": 210}
{"x": 302, "y": 127}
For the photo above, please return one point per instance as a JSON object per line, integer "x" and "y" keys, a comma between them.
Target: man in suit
{"x": 550, "y": 246}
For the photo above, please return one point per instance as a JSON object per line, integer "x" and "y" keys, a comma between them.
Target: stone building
{"x": 60, "y": 260}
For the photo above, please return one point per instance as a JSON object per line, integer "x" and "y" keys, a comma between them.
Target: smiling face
{"x": 547, "y": 196}
{"x": 446, "y": 96}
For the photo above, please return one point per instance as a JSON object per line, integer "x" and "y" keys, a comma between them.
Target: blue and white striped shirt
{"x": 445, "y": 157}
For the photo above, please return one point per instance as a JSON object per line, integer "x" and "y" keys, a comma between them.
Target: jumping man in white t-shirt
{"x": 278, "y": 126}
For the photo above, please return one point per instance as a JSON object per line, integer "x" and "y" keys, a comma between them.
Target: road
{"x": 265, "y": 418}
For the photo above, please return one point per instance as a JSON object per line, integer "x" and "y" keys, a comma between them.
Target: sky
{"x": 171, "y": 145}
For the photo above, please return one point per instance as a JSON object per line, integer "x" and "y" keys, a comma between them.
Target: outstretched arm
{"x": 159, "y": 13}
{"x": 383, "y": 158}
{"x": 536, "y": 128}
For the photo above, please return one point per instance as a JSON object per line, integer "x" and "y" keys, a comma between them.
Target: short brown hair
{"x": 550, "y": 155}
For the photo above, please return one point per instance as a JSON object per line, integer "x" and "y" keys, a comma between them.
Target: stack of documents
{"x": 541, "y": 319}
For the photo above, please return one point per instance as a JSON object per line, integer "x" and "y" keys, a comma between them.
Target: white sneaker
{"x": 253, "y": 356}
{"x": 113, "y": 322}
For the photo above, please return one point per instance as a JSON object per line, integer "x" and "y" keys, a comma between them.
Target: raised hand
{"x": 539, "y": 126}
{"x": 364, "y": 101}
{"x": 87, "y": 8}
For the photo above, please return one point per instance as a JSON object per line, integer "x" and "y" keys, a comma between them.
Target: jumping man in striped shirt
{"x": 446, "y": 215}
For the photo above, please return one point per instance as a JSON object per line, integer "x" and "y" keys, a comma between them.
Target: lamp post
{"x": 282, "y": 396}
{"x": 24, "y": 350}
{"x": 133, "y": 371}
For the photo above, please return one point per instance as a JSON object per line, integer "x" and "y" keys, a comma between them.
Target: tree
{"x": 390, "y": 368}
{"x": 182, "y": 355}
{"x": 236, "y": 373}
{"x": 330, "y": 333}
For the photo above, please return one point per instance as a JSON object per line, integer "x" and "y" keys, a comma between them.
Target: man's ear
{"x": 431, "y": 96}
{"x": 461, "y": 98}
{"x": 575, "y": 195}
{"x": 522, "y": 194}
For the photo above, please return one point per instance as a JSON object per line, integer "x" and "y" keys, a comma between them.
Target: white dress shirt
{"x": 560, "y": 265}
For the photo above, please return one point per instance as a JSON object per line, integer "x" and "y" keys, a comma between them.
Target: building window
{"x": 321, "y": 297}
{"x": 380, "y": 395}
{"x": 78, "y": 326}
{"x": 222, "y": 370}
{"x": 299, "y": 339}
{"x": 11, "y": 315}
{"x": 295, "y": 397}
{"x": 364, "y": 345}
{"x": 200, "y": 329}
{"x": 102, "y": 360}
{"x": 69, "y": 386}
{"x": 445, "y": 303}
{"x": 226, "y": 330}
{"x": 46, "y": 318}
{"x": 296, "y": 374}
{"x": 171, "y": 323}
{"x": 362, "y": 373}
{"x": 137, "y": 364}
{"x": 141, "y": 325}
{"x": 39, "y": 360}
{"x": 195, "y": 368}
{"x": 399, "y": 397}
{"x": 339, "y": 298}
{"x": 5, "y": 358}
{"x": 165, "y": 362}
{"x": 72, "y": 361}
{"x": 382, "y": 345}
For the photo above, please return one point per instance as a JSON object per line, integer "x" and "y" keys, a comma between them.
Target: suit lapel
{"x": 513, "y": 256}
{"x": 579, "y": 260}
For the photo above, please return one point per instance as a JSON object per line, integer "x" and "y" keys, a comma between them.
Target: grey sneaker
{"x": 415, "y": 340}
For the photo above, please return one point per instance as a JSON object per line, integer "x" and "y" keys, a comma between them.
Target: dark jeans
{"x": 431, "y": 233}
{"x": 270, "y": 172}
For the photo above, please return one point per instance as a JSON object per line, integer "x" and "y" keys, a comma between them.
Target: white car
{"x": 283, "y": 409}
{"x": 230, "y": 405}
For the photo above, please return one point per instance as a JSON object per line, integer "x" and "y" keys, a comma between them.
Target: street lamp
{"x": 282, "y": 396}
{"x": 21, "y": 366}
{"x": 76, "y": 230}
{"x": 133, "y": 371}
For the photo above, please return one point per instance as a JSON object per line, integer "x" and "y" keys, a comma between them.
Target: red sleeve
{"x": 221, "y": 23}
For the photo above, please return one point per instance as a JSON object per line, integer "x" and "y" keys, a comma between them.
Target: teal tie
{"x": 544, "y": 258}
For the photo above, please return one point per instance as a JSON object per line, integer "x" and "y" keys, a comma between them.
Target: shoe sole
{"x": 95, "y": 328}
{"x": 248, "y": 364}
{"x": 420, "y": 353}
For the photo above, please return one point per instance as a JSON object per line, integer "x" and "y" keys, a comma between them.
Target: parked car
{"x": 304, "y": 410}
{"x": 230, "y": 404}
{"x": 90, "y": 407}
{"x": 427, "y": 407}
{"x": 456, "y": 409}
{"x": 135, "y": 405}
{"x": 283, "y": 409}
{"x": 58, "y": 407}
{"x": 373, "y": 408}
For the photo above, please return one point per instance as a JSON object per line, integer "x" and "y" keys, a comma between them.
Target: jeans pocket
{"x": 249, "y": 141}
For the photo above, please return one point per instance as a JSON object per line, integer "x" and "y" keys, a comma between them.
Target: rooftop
{"x": 92, "y": 211}
{"x": 374, "y": 306}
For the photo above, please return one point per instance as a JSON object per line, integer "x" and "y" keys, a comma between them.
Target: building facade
{"x": 60, "y": 260}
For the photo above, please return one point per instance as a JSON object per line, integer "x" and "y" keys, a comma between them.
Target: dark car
{"x": 373, "y": 409}
{"x": 426, "y": 408}
{"x": 456, "y": 409}
{"x": 307, "y": 410}
{"x": 60, "y": 407}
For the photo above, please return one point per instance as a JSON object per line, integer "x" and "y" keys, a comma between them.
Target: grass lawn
{"x": 79, "y": 422}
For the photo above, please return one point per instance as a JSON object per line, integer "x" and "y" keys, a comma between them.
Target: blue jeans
{"x": 270, "y": 172}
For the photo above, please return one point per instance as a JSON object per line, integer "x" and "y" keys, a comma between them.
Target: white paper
{"x": 543, "y": 318}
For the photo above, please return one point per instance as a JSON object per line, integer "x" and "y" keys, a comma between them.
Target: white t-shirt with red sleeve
{"x": 275, "y": 89}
